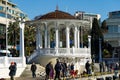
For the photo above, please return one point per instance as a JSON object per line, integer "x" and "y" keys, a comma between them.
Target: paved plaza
{"x": 27, "y": 75}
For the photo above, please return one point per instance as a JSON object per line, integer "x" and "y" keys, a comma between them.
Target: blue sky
{"x": 39, "y": 7}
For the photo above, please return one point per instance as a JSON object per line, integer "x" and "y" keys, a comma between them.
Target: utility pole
{"x": 6, "y": 9}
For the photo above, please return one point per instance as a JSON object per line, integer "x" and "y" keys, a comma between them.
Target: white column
{"x": 56, "y": 37}
{"x": 46, "y": 36}
{"x": 22, "y": 25}
{"x": 41, "y": 41}
{"x": 78, "y": 33}
{"x": 22, "y": 54}
{"x": 81, "y": 36}
{"x": 89, "y": 41}
{"x": 67, "y": 37}
{"x": 91, "y": 20}
{"x": 75, "y": 37}
{"x": 37, "y": 38}
{"x": 48, "y": 39}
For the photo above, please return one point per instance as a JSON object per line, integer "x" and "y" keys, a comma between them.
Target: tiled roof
{"x": 57, "y": 15}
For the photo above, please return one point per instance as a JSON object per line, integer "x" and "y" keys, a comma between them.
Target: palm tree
{"x": 14, "y": 36}
{"x": 13, "y": 33}
{"x": 29, "y": 39}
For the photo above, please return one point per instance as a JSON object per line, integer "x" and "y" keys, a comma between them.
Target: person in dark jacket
{"x": 12, "y": 69}
{"x": 47, "y": 70}
{"x": 101, "y": 67}
{"x": 88, "y": 67}
{"x": 64, "y": 69}
{"x": 72, "y": 70}
{"x": 57, "y": 70}
{"x": 33, "y": 69}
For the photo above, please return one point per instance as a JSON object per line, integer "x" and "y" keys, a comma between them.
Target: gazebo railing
{"x": 61, "y": 52}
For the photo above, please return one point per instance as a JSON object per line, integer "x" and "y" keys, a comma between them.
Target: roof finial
{"x": 56, "y": 7}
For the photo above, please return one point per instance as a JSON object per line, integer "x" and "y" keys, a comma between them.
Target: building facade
{"x": 113, "y": 24}
{"x": 87, "y": 16}
{"x": 8, "y": 12}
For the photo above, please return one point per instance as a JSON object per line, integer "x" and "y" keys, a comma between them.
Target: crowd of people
{"x": 61, "y": 70}
{"x": 108, "y": 67}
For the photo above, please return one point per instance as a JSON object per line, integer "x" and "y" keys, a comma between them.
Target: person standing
{"x": 65, "y": 69}
{"x": 12, "y": 69}
{"x": 101, "y": 67}
{"x": 72, "y": 70}
{"x": 51, "y": 73}
{"x": 57, "y": 70}
{"x": 47, "y": 70}
{"x": 33, "y": 69}
{"x": 88, "y": 67}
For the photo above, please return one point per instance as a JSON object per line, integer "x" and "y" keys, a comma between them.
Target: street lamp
{"x": 6, "y": 9}
{"x": 100, "y": 52}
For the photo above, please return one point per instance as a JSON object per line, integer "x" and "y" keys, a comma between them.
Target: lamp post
{"x": 22, "y": 52}
{"x": 6, "y": 9}
{"x": 100, "y": 52}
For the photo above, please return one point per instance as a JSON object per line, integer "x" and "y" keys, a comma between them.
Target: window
{"x": 2, "y": 14}
{"x": 1, "y": 8}
{"x": 3, "y": 2}
{"x": 115, "y": 14}
{"x": 119, "y": 29}
{"x": 113, "y": 28}
{"x": 2, "y": 29}
{"x": 13, "y": 12}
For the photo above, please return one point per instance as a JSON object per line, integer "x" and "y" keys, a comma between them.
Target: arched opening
{"x": 52, "y": 38}
{"x": 62, "y": 37}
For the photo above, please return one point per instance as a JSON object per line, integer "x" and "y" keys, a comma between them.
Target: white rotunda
{"x": 59, "y": 35}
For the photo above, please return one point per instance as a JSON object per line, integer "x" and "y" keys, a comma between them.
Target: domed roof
{"x": 57, "y": 15}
